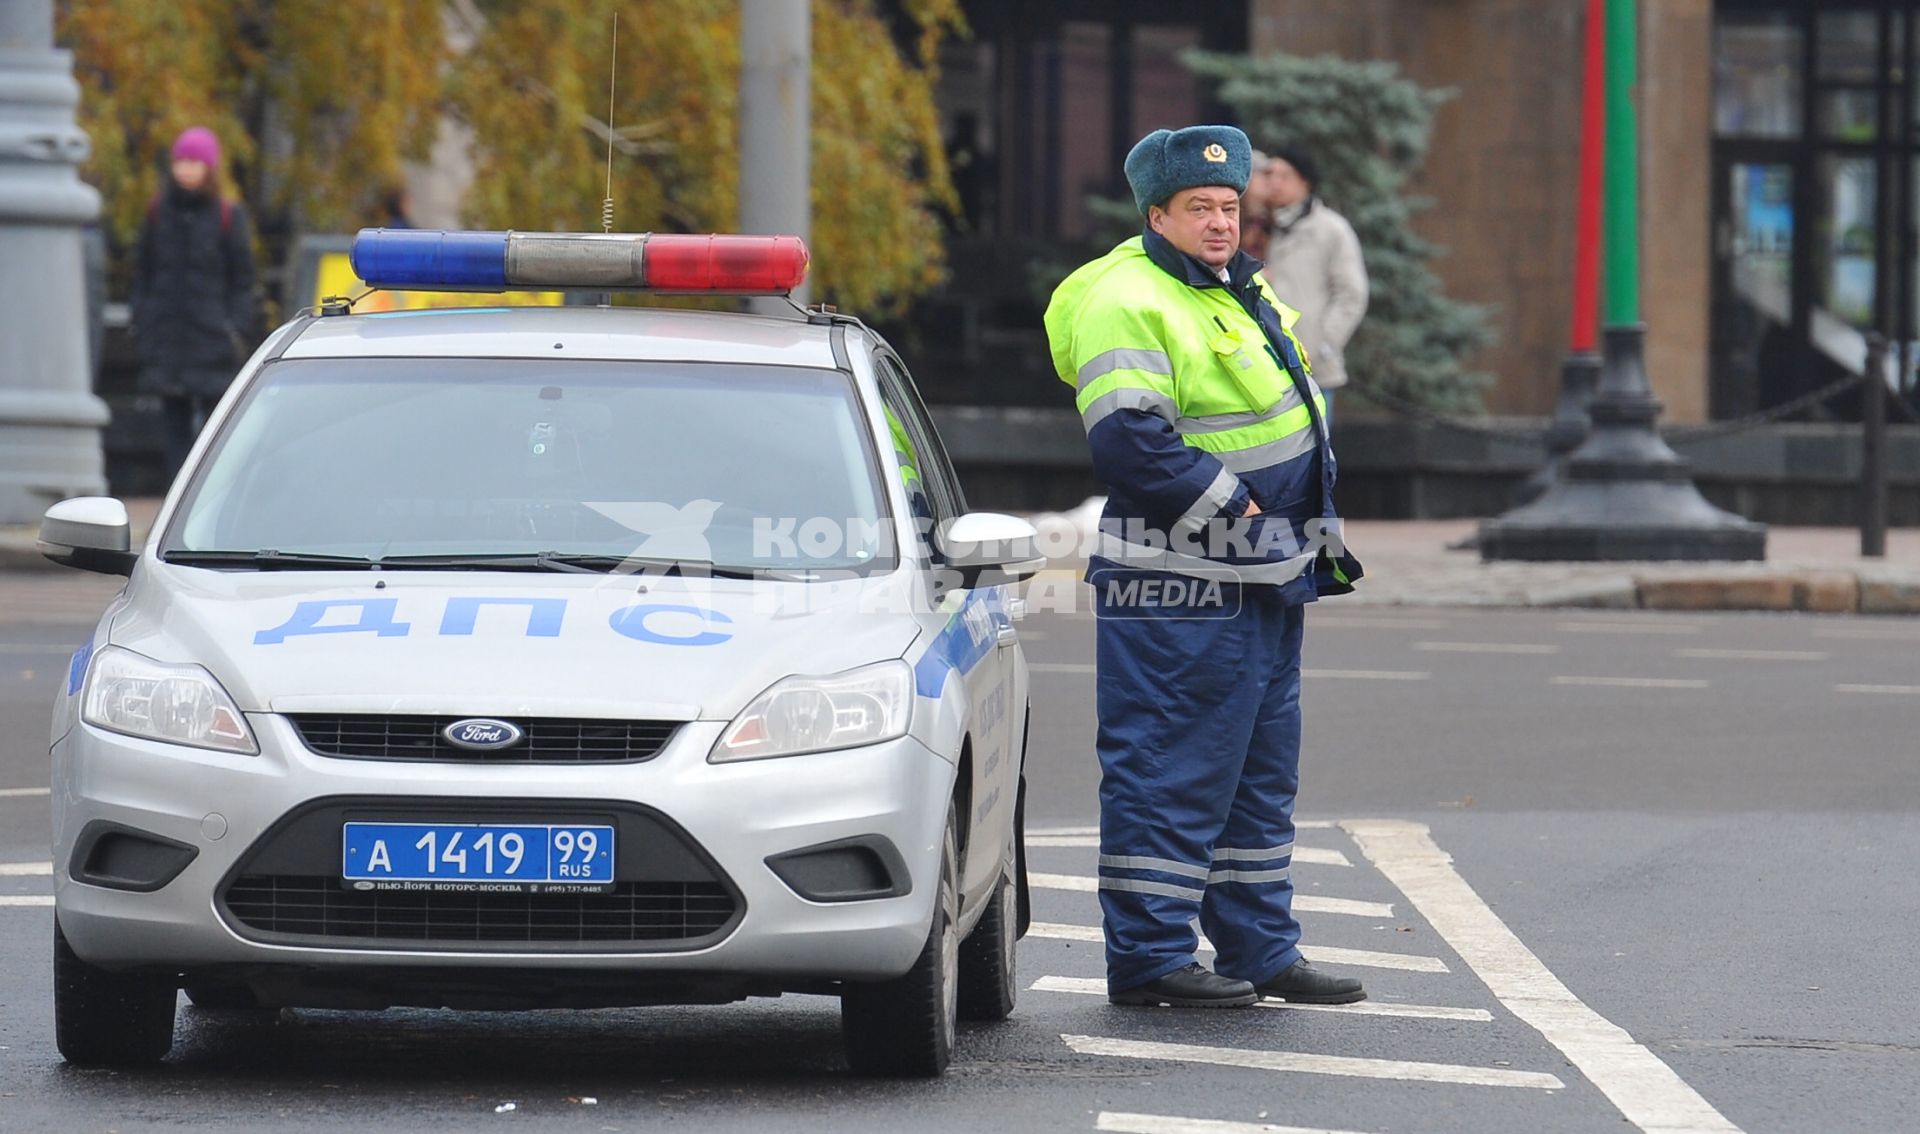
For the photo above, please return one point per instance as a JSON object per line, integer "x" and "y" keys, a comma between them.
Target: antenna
{"x": 606, "y": 205}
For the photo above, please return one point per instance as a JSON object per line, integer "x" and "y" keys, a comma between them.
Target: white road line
{"x": 1625, "y": 628}
{"x": 1368, "y": 674}
{"x": 1754, "y": 655}
{"x": 1907, "y": 689}
{"x": 1305, "y": 903}
{"x": 1634, "y": 682}
{"x": 21, "y": 869}
{"x": 1095, "y": 986}
{"x": 1312, "y": 1064}
{"x": 1644, "y": 1089}
{"x": 1060, "y": 667}
{"x": 1116, "y": 1122}
{"x": 1364, "y": 958}
{"x": 1485, "y": 648}
{"x": 17, "y": 792}
{"x": 1320, "y": 856}
{"x": 26, "y": 899}
{"x": 1300, "y": 824}
{"x": 1351, "y": 623}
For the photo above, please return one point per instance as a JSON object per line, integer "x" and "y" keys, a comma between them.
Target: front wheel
{"x": 107, "y": 1019}
{"x": 904, "y": 1027}
{"x": 988, "y": 985}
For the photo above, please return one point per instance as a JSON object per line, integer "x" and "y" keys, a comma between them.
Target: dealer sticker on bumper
{"x": 477, "y": 857}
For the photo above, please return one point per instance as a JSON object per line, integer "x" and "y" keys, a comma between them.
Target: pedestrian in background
{"x": 1314, "y": 265}
{"x": 1256, "y": 208}
{"x": 194, "y": 314}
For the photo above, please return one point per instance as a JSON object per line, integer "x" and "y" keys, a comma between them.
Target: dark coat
{"x": 194, "y": 312}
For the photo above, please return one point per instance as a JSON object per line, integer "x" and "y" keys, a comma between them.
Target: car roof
{"x": 626, "y": 333}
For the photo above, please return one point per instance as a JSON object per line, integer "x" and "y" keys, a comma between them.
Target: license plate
{"x": 534, "y": 858}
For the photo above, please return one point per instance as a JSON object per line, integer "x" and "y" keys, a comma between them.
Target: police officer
{"x": 1207, "y": 428}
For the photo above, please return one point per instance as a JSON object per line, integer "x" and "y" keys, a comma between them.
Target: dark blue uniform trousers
{"x": 1199, "y": 741}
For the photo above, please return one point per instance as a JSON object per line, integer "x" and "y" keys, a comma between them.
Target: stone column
{"x": 50, "y": 420}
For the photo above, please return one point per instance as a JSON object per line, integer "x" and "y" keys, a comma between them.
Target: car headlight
{"x": 813, "y": 714}
{"x": 178, "y": 704}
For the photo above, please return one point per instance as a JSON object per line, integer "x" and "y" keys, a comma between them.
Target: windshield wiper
{"x": 578, "y": 562}
{"x": 268, "y": 559}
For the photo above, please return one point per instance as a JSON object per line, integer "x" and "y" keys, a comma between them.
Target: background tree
{"x": 1368, "y": 127}
{"x": 533, "y": 88}
{"x": 317, "y": 105}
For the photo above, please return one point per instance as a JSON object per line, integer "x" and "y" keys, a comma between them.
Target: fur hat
{"x": 1167, "y": 161}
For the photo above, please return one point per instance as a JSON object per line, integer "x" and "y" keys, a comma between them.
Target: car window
{"x": 903, "y": 402}
{"x": 379, "y": 457}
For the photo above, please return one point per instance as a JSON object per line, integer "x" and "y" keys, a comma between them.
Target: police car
{"x": 513, "y": 657}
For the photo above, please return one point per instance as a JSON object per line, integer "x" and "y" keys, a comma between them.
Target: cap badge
{"x": 1215, "y": 152}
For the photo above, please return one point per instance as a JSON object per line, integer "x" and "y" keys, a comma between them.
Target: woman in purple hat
{"x": 194, "y": 313}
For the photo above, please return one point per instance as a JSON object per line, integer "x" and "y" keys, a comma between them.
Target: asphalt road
{"x": 1681, "y": 892}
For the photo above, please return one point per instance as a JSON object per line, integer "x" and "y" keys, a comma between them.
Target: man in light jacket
{"x": 1314, "y": 265}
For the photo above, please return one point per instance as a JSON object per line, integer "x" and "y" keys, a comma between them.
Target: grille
{"x": 549, "y": 740}
{"x": 315, "y": 906}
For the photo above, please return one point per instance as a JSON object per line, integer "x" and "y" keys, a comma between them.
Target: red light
{"x": 749, "y": 265}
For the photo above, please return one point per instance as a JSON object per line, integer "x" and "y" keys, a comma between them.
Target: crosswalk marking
{"x": 1115, "y": 1122}
{"x": 1753, "y": 655}
{"x": 1646, "y": 1091}
{"x": 1895, "y": 689}
{"x": 1485, "y": 648}
{"x": 1320, "y": 856}
{"x": 19, "y": 792}
{"x": 1365, "y": 958}
{"x": 1633, "y": 682}
{"x": 26, "y": 899}
{"x": 1313, "y": 1064}
{"x": 21, "y": 869}
{"x": 1368, "y": 674}
{"x": 1302, "y": 903}
{"x": 1095, "y": 986}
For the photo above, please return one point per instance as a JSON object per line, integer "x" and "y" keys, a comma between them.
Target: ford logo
{"x": 482, "y": 734}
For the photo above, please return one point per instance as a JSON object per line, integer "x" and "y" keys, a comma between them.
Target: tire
{"x": 904, "y": 1027}
{"x": 105, "y": 1019}
{"x": 988, "y": 982}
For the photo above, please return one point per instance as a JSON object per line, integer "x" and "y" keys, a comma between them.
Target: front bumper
{"x": 735, "y": 816}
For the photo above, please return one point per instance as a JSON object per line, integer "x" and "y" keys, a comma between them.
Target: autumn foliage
{"x": 322, "y": 103}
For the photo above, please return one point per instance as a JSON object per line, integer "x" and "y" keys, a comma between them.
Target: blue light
{"x": 409, "y": 257}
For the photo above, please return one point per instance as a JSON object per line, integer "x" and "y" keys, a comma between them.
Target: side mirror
{"x": 90, "y": 533}
{"x": 988, "y": 548}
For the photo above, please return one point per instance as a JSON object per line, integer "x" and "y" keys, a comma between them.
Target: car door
{"x": 994, "y": 714}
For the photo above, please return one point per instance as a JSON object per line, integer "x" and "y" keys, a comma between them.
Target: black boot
{"x": 1301, "y": 983}
{"x": 1191, "y": 987}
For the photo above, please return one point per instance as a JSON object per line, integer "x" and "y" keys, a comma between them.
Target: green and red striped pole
{"x": 1622, "y": 227}
{"x": 1586, "y": 239}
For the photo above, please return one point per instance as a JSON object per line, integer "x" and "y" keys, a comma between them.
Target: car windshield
{"x": 539, "y": 464}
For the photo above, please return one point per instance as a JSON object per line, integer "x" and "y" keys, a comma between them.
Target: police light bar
{"x": 411, "y": 258}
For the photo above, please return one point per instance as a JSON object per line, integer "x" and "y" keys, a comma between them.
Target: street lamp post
{"x": 1623, "y": 494}
{"x": 50, "y": 420}
{"x": 776, "y": 141}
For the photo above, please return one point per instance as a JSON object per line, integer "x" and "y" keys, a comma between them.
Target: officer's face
{"x": 1204, "y": 223}
{"x": 190, "y": 174}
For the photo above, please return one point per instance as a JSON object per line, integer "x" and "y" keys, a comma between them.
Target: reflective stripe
{"x": 1221, "y": 422}
{"x": 1273, "y": 453}
{"x": 1123, "y": 358}
{"x": 1295, "y": 420}
{"x": 1144, "y": 558}
{"x": 1130, "y": 398}
{"x": 1247, "y": 876}
{"x": 1211, "y": 501}
{"x": 1282, "y": 851}
{"x": 1163, "y": 865}
{"x": 1165, "y": 890}
{"x": 1093, "y": 391}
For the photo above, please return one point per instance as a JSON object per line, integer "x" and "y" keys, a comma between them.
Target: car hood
{"x": 499, "y": 643}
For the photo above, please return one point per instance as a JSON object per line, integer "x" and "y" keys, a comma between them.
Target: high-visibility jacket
{"x": 1197, "y": 398}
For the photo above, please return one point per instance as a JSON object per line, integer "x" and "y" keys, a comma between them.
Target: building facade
{"x": 1763, "y": 167}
